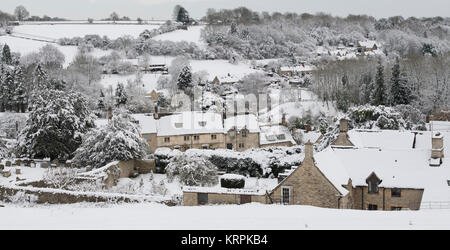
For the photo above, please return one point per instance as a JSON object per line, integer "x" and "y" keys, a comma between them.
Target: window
{"x": 373, "y": 187}
{"x": 448, "y": 183}
{"x": 286, "y": 195}
{"x": 196, "y": 137}
{"x": 213, "y": 137}
{"x": 232, "y": 133}
{"x": 396, "y": 208}
{"x": 241, "y": 145}
{"x": 178, "y": 124}
{"x": 187, "y": 137}
{"x": 147, "y": 137}
{"x": 202, "y": 123}
{"x": 244, "y": 133}
{"x": 229, "y": 145}
{"x": 281, "y": 137}
{"x": 373, "y": 207}
{"x": 396, "y": 192}
{"x": 202, "y": 198}
{"x": 166, "y": 139}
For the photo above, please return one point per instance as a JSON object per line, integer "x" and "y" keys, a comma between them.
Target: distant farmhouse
{"x": 362, "y": 169}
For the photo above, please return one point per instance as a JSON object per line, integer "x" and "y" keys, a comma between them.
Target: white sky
{"x": 162, "y": 9}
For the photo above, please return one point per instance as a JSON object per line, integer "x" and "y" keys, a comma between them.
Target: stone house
{"x": 300, "y": 70}
{"x": 191, "y": 130}
{"x": 241, "y": 132}
{"x": 365, "y": 46}
{"x": 308, "y": 185}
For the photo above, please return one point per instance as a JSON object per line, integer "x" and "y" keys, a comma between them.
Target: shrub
{"x": 192, "y": 171}
{"x": 232, "y": 181}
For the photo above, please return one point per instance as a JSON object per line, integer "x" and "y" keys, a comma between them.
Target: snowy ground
{"x": 239, "y": 217}
{"x": 149, "y": 81}
{"x": 112, "y": 31}
{"x": 192, "y": 35}
{"x": 26, "y": 46}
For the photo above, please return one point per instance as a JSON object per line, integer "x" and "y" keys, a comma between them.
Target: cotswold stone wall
{"x": 56, "y": 196}
{"x": 409, "y": 199}
{"x": 191, "y": 198}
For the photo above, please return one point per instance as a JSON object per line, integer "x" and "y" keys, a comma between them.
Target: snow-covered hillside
{"x": 112, "y": 31}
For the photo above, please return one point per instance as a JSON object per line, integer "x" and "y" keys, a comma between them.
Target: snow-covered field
{"x": 149, "y": 81}
{"x": 238, "y": 217}
{"x": 192, "y": 35}
{"x": 112, "y": 31}
{"x": 26, "y": 46}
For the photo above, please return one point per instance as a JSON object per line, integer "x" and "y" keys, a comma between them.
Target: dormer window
{"x": 244, "y": 133}
{"x": 202, "y": 123}
{"x": 178, "y": 124}
{"x": 372, "y": 182}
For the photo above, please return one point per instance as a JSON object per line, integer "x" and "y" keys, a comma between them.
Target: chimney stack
{"x": 308, "y": 128}
{"x": 309, "y": 150}
{"x": 156, "y": 114}
{"x": 343, "y": 125}
{"x": 437, "y": 149}
{"x": 283, "y": 120}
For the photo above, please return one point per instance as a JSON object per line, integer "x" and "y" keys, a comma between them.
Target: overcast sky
{"x": 162, "y": 9}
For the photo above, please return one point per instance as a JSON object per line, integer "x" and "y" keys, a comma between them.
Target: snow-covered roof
{"x": 311, "y": 136}
{"x": 228, "y": 79}
{"x": 439, "y": 125}
{"x": 239, "y": 122}
{"x": 299, "y": 68}
{"x": 368, "y": 43}
{"x": 389, "y": 154}
{"x": 275, "y": 134}
{"x": 147, "y": 123}
{"x": 221, "y": 190}
{"x": 190, "y": 123}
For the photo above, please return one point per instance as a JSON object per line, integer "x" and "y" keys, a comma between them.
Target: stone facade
{"x": 307, "y": 185}
{"x": 437, "y": 146}
{"x": 187, "y": 141}
{"x": 191, "y": 198}
{"x": 360, "y": 198}
{"x": 241, "y": 140}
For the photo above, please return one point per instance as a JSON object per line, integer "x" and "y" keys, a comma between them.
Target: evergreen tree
{"x": 119, "y": 140}
{"x": 101, "y": 101}
{"x": 20, "y": 92}
{"x": 378, "y": 96}
{"x": 6, "y": 55}
{"x": 342, "y": 99}
{"x": 55, "y": 125}
{"x": 400, "y": 91}
{"x": 184, "y": 80}
{"x": 183, "y": 16}
{"x": 121, "y": 95}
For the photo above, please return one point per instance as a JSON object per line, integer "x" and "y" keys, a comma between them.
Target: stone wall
{"x": 250, "y": 141}
{"x": 308, "y": 185}
{"x": 191, "y": 198}
{"x": 409, "y": 199}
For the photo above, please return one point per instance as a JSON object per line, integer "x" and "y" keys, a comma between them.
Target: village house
{"x": 367, "y": 170}
{"x": 300, "y": 70}
{"x": 228, "y": 80}
{"x": 365, "y": 46}
{"x": 191, "y": 130}
{"x": 276, "y": 136}
{"x": 242, "y": 132}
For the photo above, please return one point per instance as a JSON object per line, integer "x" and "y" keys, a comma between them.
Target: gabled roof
{"x": 275, "y": 134}
{"x": 190, "y": 123}
{"x": 147, "y": 123}
{"x": 389, "y": 154}
{"x": 239, "y": 122}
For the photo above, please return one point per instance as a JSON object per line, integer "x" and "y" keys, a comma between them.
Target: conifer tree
{"x": 400, "y": 91}
{"x": 379, "y": 92}
{"x": 184, "y": 80}
{"x": 6, "y": 55}
{"x": 121, "y": 95}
